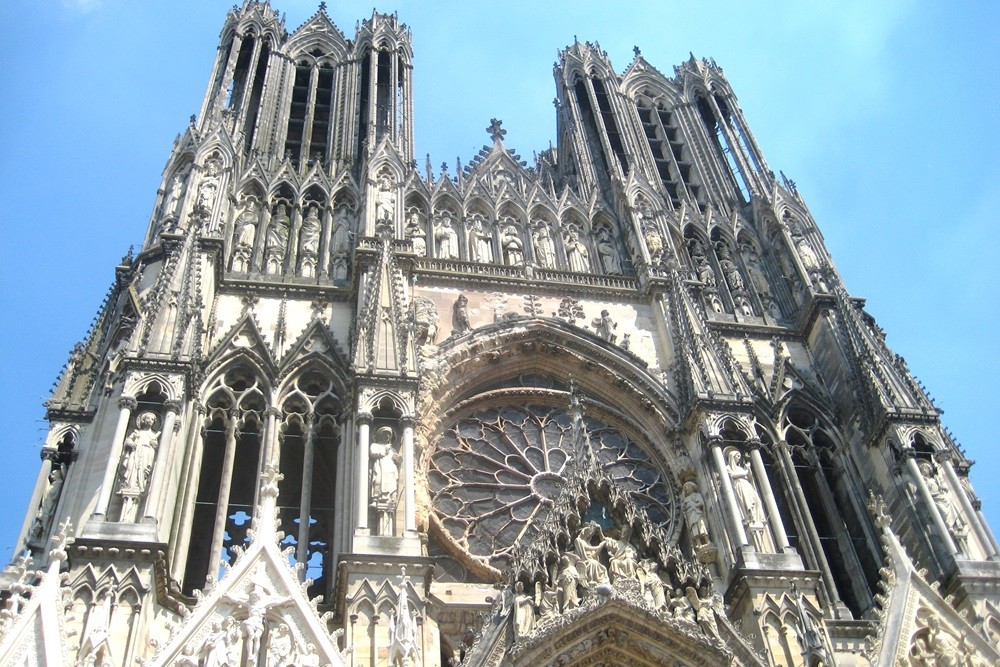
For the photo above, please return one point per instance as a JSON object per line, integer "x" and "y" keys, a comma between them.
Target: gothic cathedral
{"x": 613, "y": 407}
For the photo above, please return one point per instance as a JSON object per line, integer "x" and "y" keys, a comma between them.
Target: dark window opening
{"x": 591, "y": 133}
{"x": 384, "y": 96}
{"x": 205, "y": 507}
{"x": 363, "y": 104}
{"x": 297, "y": 114}
{"x": 238, "y": 86}
{"x": 723, "y": 148}
{"x": 319, "y": 142}
{"x": 610, "y": 126}
{"x": 253, "y": 110}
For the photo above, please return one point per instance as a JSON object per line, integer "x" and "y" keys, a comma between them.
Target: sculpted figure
{"x": 701, "y": 266}
{"x": 545, "y": 253}
{"x": 621, "y": 556}
{"x": 729, "y": 269}
{"x": 757, "y": 278}
{"x": 425, "y": 321}
{"x": 460, "y": 317}
{"x": 747, "y": 497}
{"x": 480, "y": 240}
{"x": 209, "y": 188}
{"x": 175, "y": 193}
{"x": 610, "y": 261}
{"x": 524, "y": 611}
{"x": 445, "y": 237}
{"x": 567, "y": 584}
{"x": 341, "y": 230}
{"x": 604, "y": 326}
{"x": 277, "y": 239}
{"x": 309, "y": 236}
{"x": 808, "y": 255}
{"x": 693, "y": 506}
{"x": 705, "y": 611}
{"x": 47, "y": 508}
{"x": 415, "y": 232}
{"x": 246, "y": 225}
{"x": 385, "y": 200}
{"x": 589, "y": 555}
{"x": 652, "y": 586}
{"x": 137, "y": 464}
{"x": 680, "y": 607}
{"x": 946, "y": 507}
{"x": 546, "y": 599}
{"x": 576, "y": 252}
{"x": 513, "y": 249}
{"x": 279, "y": 646}
{"x": 215, "y": 652}
{"x": 384, "y": 478}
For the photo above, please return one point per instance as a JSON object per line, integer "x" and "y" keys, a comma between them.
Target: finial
{"x": 444, "y": 167}
{"x": 192, "y": 118}
{"x": 495, "y": 131}
{"x": 636, "y": 51}
{"x": 322, "y": 6}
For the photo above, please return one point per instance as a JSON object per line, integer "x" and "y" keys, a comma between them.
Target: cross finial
{"x": 636, "y": 51}
{"x": 496, "y": 132}
{"x": 322, "y": 6}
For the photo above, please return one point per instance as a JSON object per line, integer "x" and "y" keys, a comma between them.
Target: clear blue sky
{"x": 885, "y": 114}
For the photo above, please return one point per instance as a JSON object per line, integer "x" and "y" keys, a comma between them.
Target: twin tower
{"x": 613, "y": 407}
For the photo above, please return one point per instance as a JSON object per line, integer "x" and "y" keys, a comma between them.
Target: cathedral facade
{"x": 613, "y": 407}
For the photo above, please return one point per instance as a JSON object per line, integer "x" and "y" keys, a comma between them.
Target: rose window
{"x": 496, "y": 471}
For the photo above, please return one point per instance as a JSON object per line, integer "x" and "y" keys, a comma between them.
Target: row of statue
{"x": 595, "y": 564}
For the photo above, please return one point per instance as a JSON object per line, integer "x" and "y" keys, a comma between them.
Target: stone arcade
{"x": 615, "y": 407}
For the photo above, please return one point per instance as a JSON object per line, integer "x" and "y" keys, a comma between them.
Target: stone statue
{"x": 415, "y": 232}
{"x": 480, "y": 240}
{"x": 547, "y": 600}
{"x": 809, "y": 259}
{"x": 460, "y": 318}
{"x": 309, "y": 234}
{"x": 704, "y": 610}
{"x": 279, "y": 646}
{"x": 545, "y": 253}
{"x": 604, "y": 326}
{"x": 589, "y": 555}
{"x": 309, "y": 243}
{"x": 341, "y": 230}
{"x": 277, "y": 239}
{"x": 701, "y": 266}
{"x": 384, "y": 478}
{"x": 208, "y": 190}
{"x": 424, "y": 316}
{"x": 945, "y": 505}
{"x": 746, "y": 495}
{"x": 175, "y": 193}
{"x": 246, "y": 234}
{"x": 524, "y": 612}
{"x": 513, "y": 249}
{"x": 567, "y": 583}
{"x": 258, "y": 603}
{"x": 385, "y": 200}
{"x": 215, "y": 652}
{"x": 729, "y": 269}
{"x": 577, "y": 254}
{"x": 47, "y": 508}
{"x": 651, "y": 584}
{"x": 680, "y": 607}
{"x": 751, "y": 258}
{"x": 693, "y": 506}
{"x": 622, "y": 556}
{"x": 137, "y": 464}
{"x": 610, "y": 261}
{"x": 445, "y": 237}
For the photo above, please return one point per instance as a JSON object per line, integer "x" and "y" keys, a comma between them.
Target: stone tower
{"x": 615, "y": 407}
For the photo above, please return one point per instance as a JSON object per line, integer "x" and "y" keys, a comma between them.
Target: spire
{"x": 403, "y": 631}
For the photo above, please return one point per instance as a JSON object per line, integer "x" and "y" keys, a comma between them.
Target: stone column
{"x": 773, "y": 517}
{"x": 225, "y": 483}
{"x": 270, "y": 436}
{"x": 160, "y": 463}
{"x": 409, "y": 474}
{"x": 732, "y": 508}
{"x": 302, "y": 550}
{"x": 126, "y": 405}
{"x": 364, "y": 420}
{"x": 910, "y": 463}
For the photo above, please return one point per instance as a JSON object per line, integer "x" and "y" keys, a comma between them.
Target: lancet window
{"x": 846, "y": 540}
{"x": 309, "y": 442}
{"x": 228, "y": 462}
{"x": 310, "y": 111}
{"x": 718, "y": 121}
{"x": 670, "y": 155}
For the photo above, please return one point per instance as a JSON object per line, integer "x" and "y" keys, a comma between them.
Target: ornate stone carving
{"x": 945, "y": 503}
{"x": 604, "y": 326}
{"x": 610, "y": 259}
{"x": 577, "y": 254}
{"x": 480, "y": 239}
{"x": 424, "y": 316}
{"x": 309, "y": 242}
{"x": 545, "y": 253}
{"x": 47, "y": 507}
{"x": 460, "y": 316}
{"x": 277, "y": 240}
{"x": 416, "y": 233}
{"x": 693, "y": 506}
{"x": 385, "y": 200}
{"x": 513, "y": 249}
